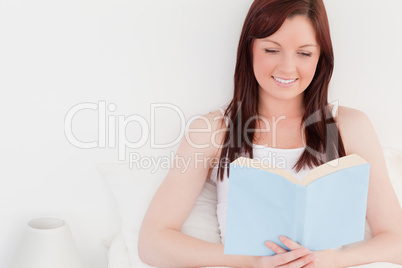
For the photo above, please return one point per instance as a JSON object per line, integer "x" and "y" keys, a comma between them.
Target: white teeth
{"x": 284, "y": 81}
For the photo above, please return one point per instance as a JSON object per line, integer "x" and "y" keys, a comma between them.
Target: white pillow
{"x": 133, "y": 190}
{"x": 118, "y": 253}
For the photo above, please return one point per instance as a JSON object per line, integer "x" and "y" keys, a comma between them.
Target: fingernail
{"x": 282, "y": 237}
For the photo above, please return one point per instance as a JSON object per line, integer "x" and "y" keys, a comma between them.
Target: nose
{"x": 287, "y": 63}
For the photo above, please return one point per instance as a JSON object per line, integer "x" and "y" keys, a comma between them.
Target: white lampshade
{"x": 47, "y": 243}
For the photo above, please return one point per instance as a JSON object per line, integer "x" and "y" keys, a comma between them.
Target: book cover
{"x": 326, "y": 209}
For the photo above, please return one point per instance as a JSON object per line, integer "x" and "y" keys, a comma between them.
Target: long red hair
{"x": 323, "y": 140}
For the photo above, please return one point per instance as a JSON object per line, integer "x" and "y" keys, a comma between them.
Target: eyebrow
{"x": 267, "y": 40}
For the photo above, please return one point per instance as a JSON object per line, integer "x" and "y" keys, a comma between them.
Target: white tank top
{"x": 281, "y": 158}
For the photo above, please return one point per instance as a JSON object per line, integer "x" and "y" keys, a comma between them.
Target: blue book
{"x": 326, "y": 209}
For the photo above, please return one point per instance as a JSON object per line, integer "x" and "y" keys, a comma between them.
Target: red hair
{"x": 323, "y": 140}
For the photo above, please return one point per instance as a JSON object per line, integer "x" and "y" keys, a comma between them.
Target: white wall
{"x": 367, "y": 39}
{"x": 55, "y": 55}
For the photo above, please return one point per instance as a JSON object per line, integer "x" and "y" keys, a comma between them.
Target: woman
{"x": 284, "y": 65}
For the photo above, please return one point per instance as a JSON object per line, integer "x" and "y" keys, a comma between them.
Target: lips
{"x": 285, "y": 82}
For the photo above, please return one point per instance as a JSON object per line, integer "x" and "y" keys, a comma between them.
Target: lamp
{"x": 47, "y": 243}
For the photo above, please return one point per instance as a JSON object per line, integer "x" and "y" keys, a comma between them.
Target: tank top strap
{"x": 334, "y": 109}
{"x": 222, "y": 109}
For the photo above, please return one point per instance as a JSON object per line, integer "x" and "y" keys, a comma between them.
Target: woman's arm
{"x": 160, "y": 242}
{"x": 384, "y": 214}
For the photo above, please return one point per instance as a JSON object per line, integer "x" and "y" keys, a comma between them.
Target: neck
{"x": 287, "y": 109}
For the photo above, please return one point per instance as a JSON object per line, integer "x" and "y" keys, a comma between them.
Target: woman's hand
{"x": 298, "y": 257}
{"x": 324, "y": 258}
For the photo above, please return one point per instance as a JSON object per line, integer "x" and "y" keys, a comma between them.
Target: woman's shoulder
{"x": 207, "y": 131}
{"x": 351, "y": 116}
{"x": 355, "y": 128}
{"x": 213, "y": 120}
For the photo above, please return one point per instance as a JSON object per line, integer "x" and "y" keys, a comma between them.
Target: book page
{"x": 316, "y": 173}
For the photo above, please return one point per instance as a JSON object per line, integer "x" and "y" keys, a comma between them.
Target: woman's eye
{"x": 271, "y": 51}
{"x": 305, "y": 54}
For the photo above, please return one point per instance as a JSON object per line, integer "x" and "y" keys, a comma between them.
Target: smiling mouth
{"x": 283, "y": 80}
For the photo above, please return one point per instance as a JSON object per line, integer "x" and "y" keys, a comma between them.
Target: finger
{"x": 275, "y": 247}
{"x": 299, "y": 257}
{"x": 306, "y": 261}
{"x": 289, "y": 243}
{"x": 310, "y": 265}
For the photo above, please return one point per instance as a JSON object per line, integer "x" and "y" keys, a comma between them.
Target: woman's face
{"x": 284, "y": 63}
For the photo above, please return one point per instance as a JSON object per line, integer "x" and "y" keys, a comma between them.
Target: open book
{"x": 326, "y": 209}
